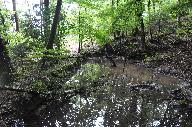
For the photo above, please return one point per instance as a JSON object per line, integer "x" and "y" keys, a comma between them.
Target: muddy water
{"x": 121, "y": 100}
{"x": 126, "y": 96}
{"x": 138, "y": 73}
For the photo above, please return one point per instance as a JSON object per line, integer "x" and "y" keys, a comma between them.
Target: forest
{"x": 95, "y": 63}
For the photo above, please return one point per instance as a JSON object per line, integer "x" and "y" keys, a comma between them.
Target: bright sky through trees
{"x": 22, "y": 5}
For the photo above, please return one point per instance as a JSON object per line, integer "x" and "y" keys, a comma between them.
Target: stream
{"x": 128, "y": 95}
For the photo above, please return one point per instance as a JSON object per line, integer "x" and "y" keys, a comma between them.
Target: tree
{"x": 5, "y": 65}
{"x": 15, "y": 15}
{"x": 80, "y": 34}
{"x": 46, "y": 19}
{"x": 149, "y": 12}
{"x": 54, "y": 25}
{"x": 139, "y": 13}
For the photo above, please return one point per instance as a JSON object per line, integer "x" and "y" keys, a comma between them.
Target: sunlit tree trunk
{"x": 15, "y": 15}
{"x": 54, "y": 25}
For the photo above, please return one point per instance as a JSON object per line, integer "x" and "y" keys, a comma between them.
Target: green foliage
{"x": 21, "y": 50}
{"x": 5, "y": 21}
{"x": 125, "y": 18}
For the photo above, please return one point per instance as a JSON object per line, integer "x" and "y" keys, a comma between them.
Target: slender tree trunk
{"x": 139, "y": 13}
{"x": 80, "y": 39}
{"x": 15, "y": 15}
{"x": 118, "y": 3}
{"x": 113, "y": 22}
{"x": 153, "y": 6}
{"x": 159, "y": 25}
{"x": 41, "y": 9}
{"x": 54, "y": 25}
{"x": 112, "y": 3}
{"x": 47, "y": 22}
{"x": 149, "y": 11}
{"x": 142, "y": 33}
{"x": 179, "y": 15}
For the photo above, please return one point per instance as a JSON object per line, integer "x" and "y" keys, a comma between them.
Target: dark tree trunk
{"x": 53, "y": 32}
{"x": 139, "y": 13}
{"x": 15, "y": 15}
{"x": 153, "y": 6}
{"x": 41, "y": 9}
{"x": 179, "y": 15}
{"x": 159, "y": 25}
{"x": 5, "y": 64}
{"x": 109, "y": 52}
{"x": 46, "y": 18}
{"x": 54, "y": 25}
{"x": 142, "y": 33}
{"x": 80, "y": 36}
{"x": 113, "y": 22}
{"x": 118, "y": 3}
{"x": 159, "y": 29}
{"x": 149, "y": 11}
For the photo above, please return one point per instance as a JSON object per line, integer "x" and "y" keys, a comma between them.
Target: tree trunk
{"x": 46, "y": 18}
{"x": 159, "y": 25}
{"x": 179, "y": 15}
{"x": 15, "y": 15}
{"x": 113, "y": 22}
{"x": 118, "y": 3}
{"x": 54, "y": 25}
{"x": 149, "y": 11}
{"x": 41, "y": 9}
{"x": 142, "y": 33}
{"x": 139, "y": 13}
{"x": 5, "y": 64}
{"x": 153, "y": 6}
{"x": 80, "y": 37}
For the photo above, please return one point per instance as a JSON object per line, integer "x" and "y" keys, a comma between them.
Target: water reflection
{"x": 108, "y": 100}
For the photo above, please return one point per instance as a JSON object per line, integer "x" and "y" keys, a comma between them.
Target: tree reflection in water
{"x": 113, "y": 102}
